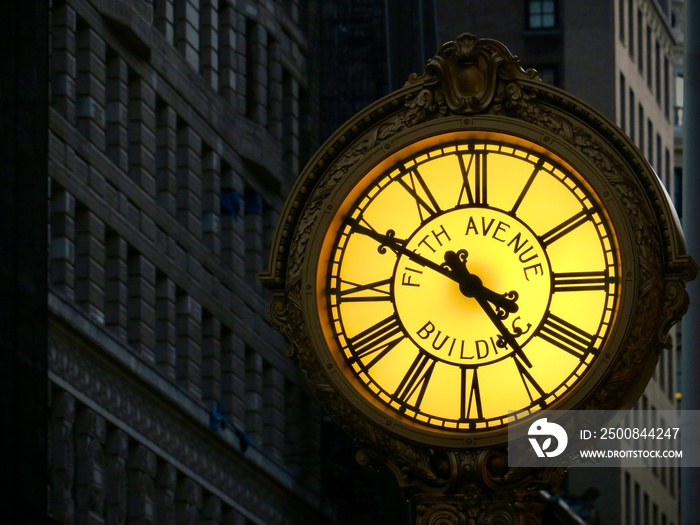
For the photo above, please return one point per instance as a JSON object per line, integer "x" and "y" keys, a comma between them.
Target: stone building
{"x": 176, "y": 128}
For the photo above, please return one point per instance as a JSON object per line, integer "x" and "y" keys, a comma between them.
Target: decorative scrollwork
{"x": 675, "y": 304}
{"x": 382, "y": 247}
{"x": 468, "y": 71}
{"x": 443, "y": 514}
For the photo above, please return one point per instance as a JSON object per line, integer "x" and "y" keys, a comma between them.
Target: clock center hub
{"x": 490, "y": 261}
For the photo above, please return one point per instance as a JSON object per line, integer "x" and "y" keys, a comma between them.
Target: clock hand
{"x": 505, "y": 337}
{"x": 398, "y": 246}
{"x": 470, "y": 286}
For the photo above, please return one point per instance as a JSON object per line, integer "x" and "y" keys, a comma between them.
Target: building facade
{"x": 622, "y": 58}
{"x": 368, "y": 49}
{"x": 176, "y": 128}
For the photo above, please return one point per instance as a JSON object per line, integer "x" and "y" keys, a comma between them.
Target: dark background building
{"x": 368, "y": 48}
{"x": 23, "y": 312}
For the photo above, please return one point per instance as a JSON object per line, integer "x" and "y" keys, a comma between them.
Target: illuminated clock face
{"x": 467, "y": 280}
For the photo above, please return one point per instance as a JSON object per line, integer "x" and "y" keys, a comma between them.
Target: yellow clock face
{"x": 469, "y": 279}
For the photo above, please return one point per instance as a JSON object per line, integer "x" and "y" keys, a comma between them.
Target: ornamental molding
{"x": 81, "y": 366}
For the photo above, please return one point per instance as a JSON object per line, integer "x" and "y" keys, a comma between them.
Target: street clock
{"x": 465, "y": 254}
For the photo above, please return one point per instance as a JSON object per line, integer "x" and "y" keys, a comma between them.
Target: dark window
{"x": 628, "y": 499}
{"x": 230, "y": 202}
{"x": 633, "y": 106}
{"x": 678, "y": 107}
{"x": 640, "y": 43}
{"x": 645, "y": 518}
{"x": 541, "y": 14}
{"x": 649, "y": 57}
{"x": 621, "y": 20}
{"x": 623, "y": 103}
{"x": 640, "y": 114}
{"x": 630, "y": 26}
{"x": 667, "y": 89}
{"x": 678, "y": 202}
{"x": 657, "y": 71}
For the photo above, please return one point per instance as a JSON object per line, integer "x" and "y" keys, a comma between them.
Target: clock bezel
{"x": 401, "y": 146}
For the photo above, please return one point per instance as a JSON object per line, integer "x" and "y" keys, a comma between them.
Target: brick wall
{"x": 174, "y": 135}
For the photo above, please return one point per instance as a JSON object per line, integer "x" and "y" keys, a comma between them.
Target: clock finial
{"x": 468, "y": 70}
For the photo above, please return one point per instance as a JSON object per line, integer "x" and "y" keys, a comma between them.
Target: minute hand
{"x": 505, "y": 333}
{"x": 398, "y": 246}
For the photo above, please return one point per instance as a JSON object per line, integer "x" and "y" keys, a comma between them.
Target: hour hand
{"x": 471, "y": 286}
{"x": 505, "y": 303}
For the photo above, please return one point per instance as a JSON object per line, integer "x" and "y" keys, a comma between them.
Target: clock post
{"x": 460, "y": 257}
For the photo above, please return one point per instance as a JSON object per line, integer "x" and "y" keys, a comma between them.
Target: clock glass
{"x": 467, "y": 280}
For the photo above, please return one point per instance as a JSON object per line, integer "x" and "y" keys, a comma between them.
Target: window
{"x": 640, "y": 114}
{"x": 678, "y": 203}
{"x": 667, "y": 88}
{"x": 623, "y": 103}
{"x": 630, "y": 26}
{"x": 645, "y": 508}
{"x": 649, "y": 57}
{"x": 633, "y": 106}
{"x": 678, "y": 108}
{"x": 640, "y": 43}
{"x": 621, "y": 20}
{"x": 628, "y": 499}
{"x": 541, "y": 14}
{"x": 657, "y": 71}
{"x": 663, "y": 358}
{"x": 230, "y": 202}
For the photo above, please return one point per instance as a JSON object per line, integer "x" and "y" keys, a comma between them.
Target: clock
{"x": 466, "y": 281}
{"x": 464, "y": 256}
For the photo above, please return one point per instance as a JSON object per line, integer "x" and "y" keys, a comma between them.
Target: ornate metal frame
{"x": 479, "y": 80}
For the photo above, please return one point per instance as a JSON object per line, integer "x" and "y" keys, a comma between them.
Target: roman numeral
{"x": 470, "y": 404}
{"x": 473, "y": 168}
{"x": 362, "y": 225}
{"x": 414, "y": 384}
{"x": 582, "y": 281}
{"x": 566, "y": 336}
{"x": 526, "y": 188}
{"x": 376, "y": 291}
{"x": 565, "y": 227}
{"x": 376, "y": 341}
{"x": 413, "y": 183}
{"x": 532, "y": 387}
